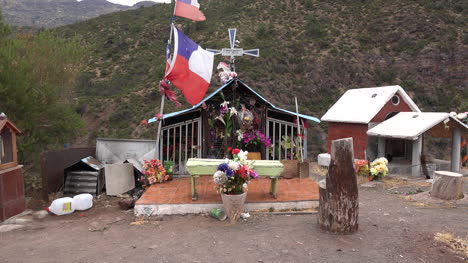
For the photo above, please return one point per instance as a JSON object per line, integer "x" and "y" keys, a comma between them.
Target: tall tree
{"x": 37, "y": 81}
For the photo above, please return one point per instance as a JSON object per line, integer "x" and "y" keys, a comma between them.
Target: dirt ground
{"x": 391, "y": 229}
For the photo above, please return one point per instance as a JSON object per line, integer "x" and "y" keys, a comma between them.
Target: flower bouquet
{"x": 253, "y": 140}
{"x": 378, "y": 168}
{"x": 362, "y": 167}
{"x": 231, "y": 178}
{"x": 154, "y": 172}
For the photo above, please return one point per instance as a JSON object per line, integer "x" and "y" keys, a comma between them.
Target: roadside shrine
{"x": 203, "y": 132}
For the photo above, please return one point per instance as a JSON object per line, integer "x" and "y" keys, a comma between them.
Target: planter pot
{"x": 290, "y": 168}
{"x": 233, "y": 205}
{"x": 254, "y": 155}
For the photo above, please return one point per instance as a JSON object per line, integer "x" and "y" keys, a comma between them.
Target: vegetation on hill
{"x": 312, "y": 49}
{"x": 37, "y": 82}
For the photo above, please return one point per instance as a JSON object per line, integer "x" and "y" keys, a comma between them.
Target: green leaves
{"x": 37, "y": 84}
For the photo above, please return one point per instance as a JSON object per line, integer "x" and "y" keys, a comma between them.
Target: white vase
{"x": 234, "y": 205}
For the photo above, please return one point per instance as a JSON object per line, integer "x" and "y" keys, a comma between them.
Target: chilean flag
{"x": 191, "y": 68}
{"x": 189, "y": 9}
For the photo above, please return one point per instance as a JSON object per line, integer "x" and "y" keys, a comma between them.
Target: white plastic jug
{"x": 82, "y": 201}
{"x": 62, "y": 206}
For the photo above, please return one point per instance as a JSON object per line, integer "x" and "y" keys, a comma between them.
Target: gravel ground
{"x": 392, "y": 228}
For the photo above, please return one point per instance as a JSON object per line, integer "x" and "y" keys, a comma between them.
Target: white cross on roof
{"x": 234, "y": 51}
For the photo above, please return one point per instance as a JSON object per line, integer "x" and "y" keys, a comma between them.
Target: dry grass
{"x": 314, "y": 168}
{"x": 394, "y": 182}
{"x": 456, "y": 243}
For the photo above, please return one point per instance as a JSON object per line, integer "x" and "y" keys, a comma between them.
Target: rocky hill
{"x": 53, "y": 13}
{"x": 312, "y": 49}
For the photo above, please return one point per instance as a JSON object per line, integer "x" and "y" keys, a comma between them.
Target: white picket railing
{"x": 275, "y": 130}
{"x": 179, "y": 142}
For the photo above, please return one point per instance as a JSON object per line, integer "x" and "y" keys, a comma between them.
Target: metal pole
{"x": 456, "y": 142}
{"x": 158, "y": 135}
{"x": 163, "y": 97}
{"x": 299, "y": 130}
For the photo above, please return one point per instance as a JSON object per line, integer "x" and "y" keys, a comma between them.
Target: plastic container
{"x": 218, "y": 214}
{"x": 82, "y": 202}
{"x": 62, "y": 206}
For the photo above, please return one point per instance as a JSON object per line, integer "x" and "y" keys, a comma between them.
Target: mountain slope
{"x": 311, "y": 49}
{"x": 53, "y": 13}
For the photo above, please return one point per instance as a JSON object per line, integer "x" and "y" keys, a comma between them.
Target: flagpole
{"x": 299, "y": 130}
{"x": 163, "y": 97}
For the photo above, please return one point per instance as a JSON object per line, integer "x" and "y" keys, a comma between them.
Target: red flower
{"x": 229, "y": 149}
{"x": 235, "y": 151}
{"x": 144, "y": 122}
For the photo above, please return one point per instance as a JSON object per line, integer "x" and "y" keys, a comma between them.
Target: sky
{"x": 132, "y": 2}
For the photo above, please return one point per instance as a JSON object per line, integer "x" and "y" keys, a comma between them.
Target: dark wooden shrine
{"x": 12, "y": 200}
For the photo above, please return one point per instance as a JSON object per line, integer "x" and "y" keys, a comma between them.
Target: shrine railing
{"x": 284, "y": 138}
{"x": 179, "y": 142}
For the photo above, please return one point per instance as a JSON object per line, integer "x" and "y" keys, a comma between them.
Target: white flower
{"x": 240, "y": 135}
{"x": 226, "y": 160}
{"x": 243, "y": 155}
{"x": 244, "y": 185}
{"x": 219, "y": 177}
{"x": 224, "y": 104}
{"x": 234, "y": 166}
{"x": 233, "y": 111}
{"x": 453, "y": 114}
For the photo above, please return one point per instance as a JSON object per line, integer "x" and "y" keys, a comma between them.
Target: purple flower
{"x": 223, "y": 167}
{"x": 229, "y": 173}
{"x": 253, "y": 175}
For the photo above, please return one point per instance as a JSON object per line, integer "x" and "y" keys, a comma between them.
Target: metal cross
{"x": 234, "y": 51}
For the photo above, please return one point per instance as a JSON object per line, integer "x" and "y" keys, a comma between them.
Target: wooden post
{"x": 338, "y": 202}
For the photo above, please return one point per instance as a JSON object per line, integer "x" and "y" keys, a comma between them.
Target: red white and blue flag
{"x": 189, "y": 9}
{"x": 191, "y": 68}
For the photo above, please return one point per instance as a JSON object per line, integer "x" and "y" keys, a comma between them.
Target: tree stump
{"x": 338, "y": 202}
{"x": 447, "y": 185}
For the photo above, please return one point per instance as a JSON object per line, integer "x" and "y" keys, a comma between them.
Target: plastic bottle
{"x": 83, "y": 201}
{"x": 62, "y": 206}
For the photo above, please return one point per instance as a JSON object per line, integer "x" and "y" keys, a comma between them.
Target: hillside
{"x": 53, "y": 13}
{"x": 311, "y": 49}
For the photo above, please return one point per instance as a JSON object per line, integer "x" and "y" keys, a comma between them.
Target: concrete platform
{"x": 174, "y": 197}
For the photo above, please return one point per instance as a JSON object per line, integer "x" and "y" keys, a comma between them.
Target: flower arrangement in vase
{"x": 378, "y": 168}
{"x": 154, "y": 172}
{"x": 232, "y": 178}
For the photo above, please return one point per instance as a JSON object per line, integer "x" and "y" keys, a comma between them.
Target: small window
{"x": 395, "y": 100}
{"x": 6, "y": 147}
{"x": 391, "y": 114}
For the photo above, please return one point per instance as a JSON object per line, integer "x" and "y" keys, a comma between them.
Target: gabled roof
{"x": 408, "y": 125}
{"x": 194, "y": 107}
{"x": 5, "y": 122}
{"x": 361, "y": 105}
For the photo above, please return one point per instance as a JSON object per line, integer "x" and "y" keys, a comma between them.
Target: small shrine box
{"x": 12, "y": 200}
